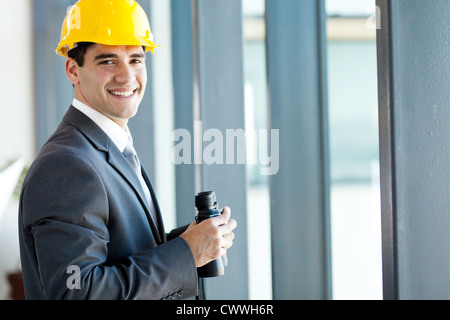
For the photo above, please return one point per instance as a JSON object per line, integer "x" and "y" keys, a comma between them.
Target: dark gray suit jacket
{"x": 83, "y": 208}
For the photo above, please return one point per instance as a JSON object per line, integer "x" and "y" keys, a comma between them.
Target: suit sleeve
{"x": 176, "y": 232}
{"x": 65, "y": 211}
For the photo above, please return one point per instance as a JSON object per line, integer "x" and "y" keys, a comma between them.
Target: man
{"x": 89, "y": 223}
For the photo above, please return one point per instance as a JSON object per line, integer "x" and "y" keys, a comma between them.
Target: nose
{"x": 125, "y": 73}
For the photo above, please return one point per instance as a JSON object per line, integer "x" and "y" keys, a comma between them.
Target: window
{"x": 258, "y": 199}
{"x": 354, "y": 167}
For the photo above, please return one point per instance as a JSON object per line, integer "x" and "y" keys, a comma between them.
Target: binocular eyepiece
{"x": 207, "y": 207}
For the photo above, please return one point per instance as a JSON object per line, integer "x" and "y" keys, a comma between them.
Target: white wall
{"x": 16, "y": 81}
{"x": 17, "y": 110}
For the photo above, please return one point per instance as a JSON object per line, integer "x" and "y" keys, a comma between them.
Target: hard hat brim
{"x": 63, "y": 49}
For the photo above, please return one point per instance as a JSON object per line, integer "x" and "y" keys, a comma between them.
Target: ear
{"x": 72, "y": 71}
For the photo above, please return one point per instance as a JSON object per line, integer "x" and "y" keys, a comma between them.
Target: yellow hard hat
{"x": 109, "y": 22}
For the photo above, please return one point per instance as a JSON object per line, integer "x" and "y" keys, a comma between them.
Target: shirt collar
{"x": 119, "y": 136}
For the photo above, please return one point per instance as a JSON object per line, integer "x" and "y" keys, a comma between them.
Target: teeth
{"x": 122, "y": 94}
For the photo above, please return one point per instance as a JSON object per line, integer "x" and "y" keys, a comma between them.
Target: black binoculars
{"x": 207, "y": 207}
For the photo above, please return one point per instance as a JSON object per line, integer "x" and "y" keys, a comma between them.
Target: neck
{"x": 121, "y": 122}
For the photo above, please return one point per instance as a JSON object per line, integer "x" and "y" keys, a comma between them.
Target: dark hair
{"x": 79, "y": 52}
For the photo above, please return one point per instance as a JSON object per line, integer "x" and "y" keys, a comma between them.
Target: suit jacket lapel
{"x": 115, "y": 158}
{"x": 156, "y": 205}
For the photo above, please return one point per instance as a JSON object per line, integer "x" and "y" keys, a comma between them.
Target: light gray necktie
{"x": 132, "y": 158}
{"x": 131, "y": 155}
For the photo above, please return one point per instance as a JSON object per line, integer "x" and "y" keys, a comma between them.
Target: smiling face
{"x": 112, "y": 80}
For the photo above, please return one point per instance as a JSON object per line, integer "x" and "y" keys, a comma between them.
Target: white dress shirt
{"x": 118, "y": 135}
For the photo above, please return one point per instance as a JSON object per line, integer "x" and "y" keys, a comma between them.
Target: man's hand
{"x": 211, "y": 238}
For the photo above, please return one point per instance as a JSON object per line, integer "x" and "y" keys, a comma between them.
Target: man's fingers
{"x": 226, "y": 211}
{"x": 223, "y": 218}
{"x": 227, "y": 241}
{"x": 229, "y": 236}
{"x": 228, "y": 228}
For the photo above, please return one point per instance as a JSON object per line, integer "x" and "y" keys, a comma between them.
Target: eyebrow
{"x": 105, "y": 56}
{"x": 138, "y": 55}
{"x": 115, "y": 56}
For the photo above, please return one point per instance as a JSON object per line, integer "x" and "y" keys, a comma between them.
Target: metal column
{"x": 414, "y": 100}
{"x": 183, "y": 77}
{"x": 299, "y": 192}
{"x": 218, "y": 57}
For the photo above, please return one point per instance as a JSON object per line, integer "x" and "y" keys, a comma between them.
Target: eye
{"x": 136, "y": 61}
{"x": 106, "y": 62}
